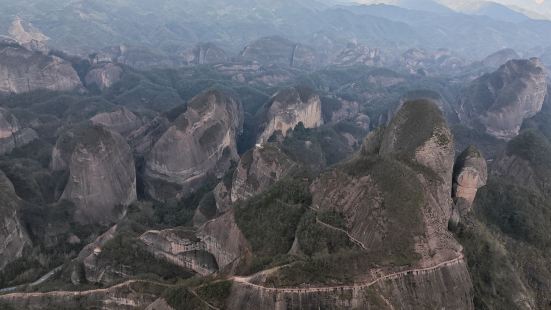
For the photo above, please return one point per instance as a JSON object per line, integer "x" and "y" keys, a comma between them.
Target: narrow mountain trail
{"x": 354, "y": 240}
{"x": 41, "y": 280}
{"x": 395, "y": 275}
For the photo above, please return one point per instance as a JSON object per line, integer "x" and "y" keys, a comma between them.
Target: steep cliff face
{"x": 120, "y": 120}
{"x": 23, "y": 71}
{"x": 357, "y": 54}
{"x": 394, "y": 201}
{"x": 470, "y": 174}
{"x": 11, "y": 133}
{"x": 277, "y": 50}
{"x": 102, "y": 176}
{"x": 257, "y": 170}
{"x": 144, "y": 138}
{"x": 206, "y": 53}
{"x": 500, "y": 101}
{"x": 181, "y": 248}
{"x": 103, "y": 75}
{"x": 288, "y": 108}
{"x": 200, "y": 142}
{"x": 13, "y": 237}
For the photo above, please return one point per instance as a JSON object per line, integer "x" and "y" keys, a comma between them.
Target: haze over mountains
{"x": 260, "y": 154}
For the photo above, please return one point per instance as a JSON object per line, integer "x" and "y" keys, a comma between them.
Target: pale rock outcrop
{"x": 144, "y": 138}
{"x": 88, "y": 257}
{"x": 357, "y": 54}
{"x": 502, "y": 100}
{"x": 28, "y": 36}
{"x": 181, "y": 248}
{"x": 205, "y": 53}
{"x": 288, "y": 108}
{"x": 225, "y": 241}
{"x": 199, "y": 143}
{"x": 159, "y": 304}
{"x": 102, "y": 176}
{"x": 13, "y": 236}
{"x": 257, "y": 170}
{"x": 277, "y": 50}
{"x": 120, "y": 120}
{"x": 103, "y": 75}
{"x": 222, "y": 196}
{"x": 22, "y": 70}
{"x": 11, "y": 133}
{"x": 470, "y": 174}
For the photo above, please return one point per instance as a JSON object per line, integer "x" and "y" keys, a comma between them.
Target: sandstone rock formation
{"x": 206, "y": 53}
{"x": 144, "y": 138}
{"x": 288, "y": 108}
{"x": 103, "y": 75}
{"x": 22, "y": 70}
{"x": 257, "y": 170}
{"x": 13, "y": 237}
{"x": 120, "y": 120}
{"x": 501, "y": 100}
{"x": 102, "y": 176}
{"x": 277, "y": 50}
{"x": 11, "y": 134}
{"x": 357, "y": 54}
{"x": 470, "y": 174}
{"x": 199, "y": 143}
{"x": 181, "y": 248}
{"x": 28, "y": 36}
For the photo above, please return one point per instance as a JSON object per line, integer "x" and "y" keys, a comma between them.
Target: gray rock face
{"x": 500, "y": 101}
{"x": 144, "y": 138}
{"x": 181, "y": 248}
{"x": 277, "y": 50}
{"x": 200, "y": 142}
{"x": 28, "y": 36}
{"x": 420, "y": 132}
{"x": 102, "y": 175}
{"x": 103, "y": 75}
{"x": 23, "y": 71}
{"x": 288, "y": 108}
{"x": 206, "y": 53}
{"x": 257, "y": 170}
{"x": 13, "y": 237}
{"x": 470, "y": 174}
{"x": 357, "y": 54}
{"x": 11, "y": 134}
{"x": 120, "y": 120}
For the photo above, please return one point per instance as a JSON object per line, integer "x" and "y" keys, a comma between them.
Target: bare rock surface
{"x": 288, "y": 108}
{"x": 11, "y": 133}
{"x": 13, "y": 236}
{"x": 470, "y": 174}
{"x": 102, "y": 175}
{"x": 257, "y": 170}
{"x": 103, "y": 75}
{"x": 502, "y": 100}
{"x": 120, "y": 120}
{"x": 199, "y": 143}
{"x": 22, "y": 70}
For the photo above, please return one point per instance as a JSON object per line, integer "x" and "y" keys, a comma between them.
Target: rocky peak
{"x": 280, "y": 51}
{"x": 103, "y": 75}
{"x": 470, "y": 174}
{"x": 420, "y": 133}
{"x": 11, "y": 134}
{"x": 200, "y": 142}
{"x": 204, "y": 53}
{"x": 288, "y": 108}
{"x": 27, "y": 35}
{"x": 257, "y": 170}
{"x": 120, "y": 120}
{"x": 13, "y": 236}
{"x": 357, "y": 54}
{"x": 22, "y": 70}
{"x": 500, "y": 101}
{"x": 101, "y": 172}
